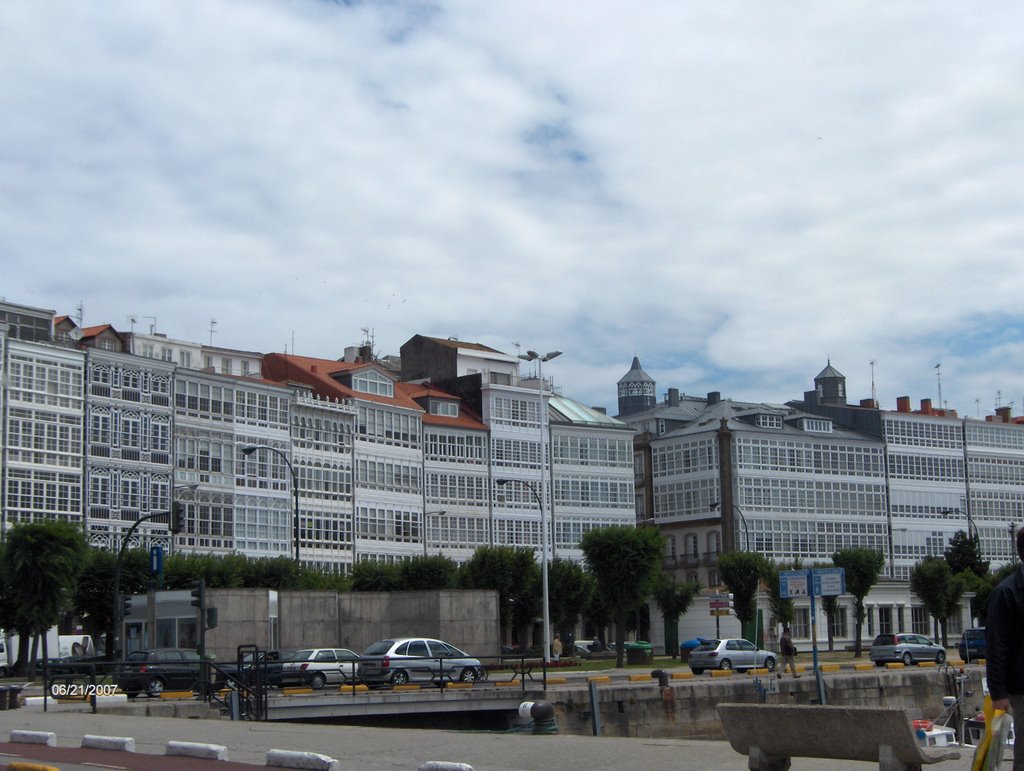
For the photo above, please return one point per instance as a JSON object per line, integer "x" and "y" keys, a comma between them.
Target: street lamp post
{"x": 743, "y": 520}
{"x": 249, "y": 449}
{"x": 440, "y": 513}
{"x": 540, "y": 359}
{"x": 543, "y": 565}
{"x": 118, "y": 608}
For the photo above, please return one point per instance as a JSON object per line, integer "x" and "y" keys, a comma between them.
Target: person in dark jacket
{"x": 788, "y": 651}
{"x": 1004, "y": 642}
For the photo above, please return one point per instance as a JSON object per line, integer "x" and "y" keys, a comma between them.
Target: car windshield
{"x": 379, "y": 648}
{"x": 884, "y": 639}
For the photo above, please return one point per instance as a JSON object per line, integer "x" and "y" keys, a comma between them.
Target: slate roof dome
{"x": 636, "y": 390}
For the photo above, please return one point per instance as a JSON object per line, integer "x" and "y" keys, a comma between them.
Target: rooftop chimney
{"x": 902, "y": 404}
{"x": 714, "y": 397}
{"x": 673, "y": 397}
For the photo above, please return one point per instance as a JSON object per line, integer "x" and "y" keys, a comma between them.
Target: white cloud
{"x": 734, "y": 193}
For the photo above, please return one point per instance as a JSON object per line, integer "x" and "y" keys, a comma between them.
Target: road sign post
{"x": 811, "y": 583}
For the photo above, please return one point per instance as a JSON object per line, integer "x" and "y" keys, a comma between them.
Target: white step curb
{"x": 198, "y": 750}
{"x": 118, "y": 743}
{"x": 290, "y": 759}
{"x": 35, "y": 737}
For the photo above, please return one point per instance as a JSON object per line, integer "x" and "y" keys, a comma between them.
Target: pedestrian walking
{"x": 1004, "y": 650}
{"x": 556, "y": 648}
{"x": 788, "y": 651}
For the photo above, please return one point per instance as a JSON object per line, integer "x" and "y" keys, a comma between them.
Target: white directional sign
{"x": 828, "y": 582}
{"x": 793, "y": 583}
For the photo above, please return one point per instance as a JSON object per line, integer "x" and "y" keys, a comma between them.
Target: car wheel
{"x": 400, "y": 677}
{"x": 907, "y": 659}
{"x": 879, "y": 663}
{"x": 769, "y": 664}
{"x": 155, "y": 686}
{"x": 3, "y": 671}
{"x": 940, "y": 657}
{"x": 726, "y": 664}
{"x": 317, "y": 681}
{"x": 469, "y": 675}
{"x": 697, "y": 670}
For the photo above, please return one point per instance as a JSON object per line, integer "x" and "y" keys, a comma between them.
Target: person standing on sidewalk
{"x": 788, "y": 651}
{"x": 1004, "y": 649}
{"x": 556, "y": 648}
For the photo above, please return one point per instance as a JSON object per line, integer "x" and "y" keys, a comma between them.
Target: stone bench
{"x": 770, "y": 734}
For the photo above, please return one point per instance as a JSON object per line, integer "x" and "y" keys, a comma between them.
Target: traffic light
{"x": 211, "y": 618}
{"x": 199, "y": 596}
{"x": 177, "y": 518}
{"x": 127, "y": 605}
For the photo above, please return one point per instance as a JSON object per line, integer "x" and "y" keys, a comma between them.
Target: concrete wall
{"x": 688, "y": 709}
{"x": 243, "y": 618}
{"x": 467, "y": 619}
{"x": 309, "y": 619}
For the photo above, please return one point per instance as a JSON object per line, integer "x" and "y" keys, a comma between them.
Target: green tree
{"x": 625, "y": 562}
{"x": 781, "y": 607}
{"x": 964, "y": 553}
{"x": 568, "y": 594}
{"x": 862, "y": 568}
{"x": 436, "y": 572}
{"x": 514, "y": 574}
{"x": 938, "y": 589}
{"x": 41, "y": 564}
{"x": 673, "y": 600}
{"x": 370, "y": 576}
{"x": 741, "y": 572}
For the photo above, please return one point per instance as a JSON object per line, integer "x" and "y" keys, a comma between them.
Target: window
{"x": 372, "y": 382}
{"x": 446, "y": 408}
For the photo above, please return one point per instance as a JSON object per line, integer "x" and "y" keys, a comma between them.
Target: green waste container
{"x": 639, "y": 652}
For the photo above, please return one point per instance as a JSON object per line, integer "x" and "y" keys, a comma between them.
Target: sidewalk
{"x": 387, "y": 748}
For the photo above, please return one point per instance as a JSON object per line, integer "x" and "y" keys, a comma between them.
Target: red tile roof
{"x": 318, "y": 374}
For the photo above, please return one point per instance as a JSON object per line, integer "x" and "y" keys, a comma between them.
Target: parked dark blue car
{"x": 972, "y": 644}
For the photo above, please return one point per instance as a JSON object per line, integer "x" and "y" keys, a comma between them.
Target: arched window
{"x": 714, "y": 542}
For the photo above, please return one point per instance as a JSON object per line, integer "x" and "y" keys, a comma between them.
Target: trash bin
{"x": 4, "y": 697}
{"x": 639, "y": 652}
{"x": 686, "y": 647}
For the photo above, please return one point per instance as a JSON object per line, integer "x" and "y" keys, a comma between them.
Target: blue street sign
{"x": 828, "y": 582}
{"x": 156, "y": 560}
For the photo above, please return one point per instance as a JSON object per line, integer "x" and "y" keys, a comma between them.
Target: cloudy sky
{"x": 734, "y": 192}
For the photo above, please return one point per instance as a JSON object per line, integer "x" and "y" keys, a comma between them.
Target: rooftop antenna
{"x": 999, "y": 399}
{"x": 152, "y": 326}
{"x": 213, "y": 328}
{"x": 977, "y": 408}
{"x": 874, "y": 393}
{"x": 80, "y": 313}
{"x": 132, "y": 321}
{"x": 517, "y": 346}
{"x": 938, "y": 377}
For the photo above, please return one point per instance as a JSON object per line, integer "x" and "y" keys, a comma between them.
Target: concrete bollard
{"x": 34, "y": 737}
{"x": 443, "y": 765}
{"x": 115, "y": 743}
{"x": 197, "y": 750}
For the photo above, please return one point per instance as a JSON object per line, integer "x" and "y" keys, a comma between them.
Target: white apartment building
{"x": 42, "y": 399}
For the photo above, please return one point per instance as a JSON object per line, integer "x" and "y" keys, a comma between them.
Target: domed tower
{"x": 830, "y": 386}
{"x": 636, "y": 390}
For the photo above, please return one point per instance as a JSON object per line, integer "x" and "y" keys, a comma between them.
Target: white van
{"x": 5, "y": 667}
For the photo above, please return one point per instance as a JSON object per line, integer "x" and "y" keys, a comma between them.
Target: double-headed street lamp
{"x": 249, "y": 449}
{"x": 540, "y": 359}
{"x": 543, "y": 563}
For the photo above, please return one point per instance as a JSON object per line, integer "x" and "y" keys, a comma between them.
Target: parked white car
{"x": 732, "y": 653}
{"x": 318, "y": 666}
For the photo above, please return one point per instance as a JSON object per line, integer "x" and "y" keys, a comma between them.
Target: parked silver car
{"x": 731, "y": 653}
{"x": 417, "y": 659}
{"x": 318, "y": 666}
{"x": 907, "y": 648}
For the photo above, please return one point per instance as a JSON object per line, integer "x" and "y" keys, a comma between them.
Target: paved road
{"x": 384, "y": 748}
